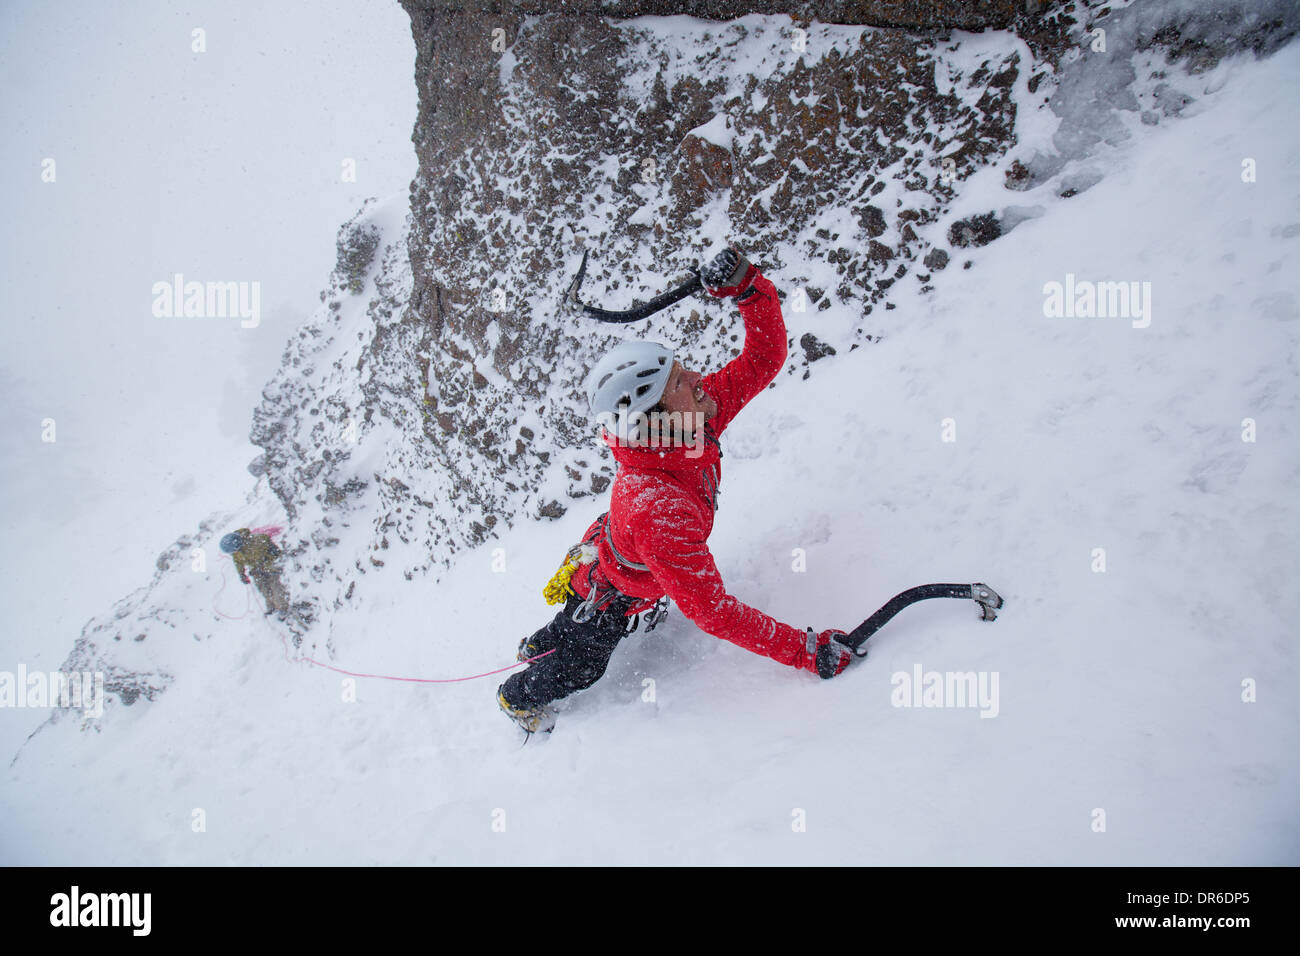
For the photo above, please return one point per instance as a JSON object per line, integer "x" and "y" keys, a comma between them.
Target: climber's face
{"x": 684, "y": 395}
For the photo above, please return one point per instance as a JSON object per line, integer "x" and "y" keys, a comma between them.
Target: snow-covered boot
{"x": 532, "y": 719}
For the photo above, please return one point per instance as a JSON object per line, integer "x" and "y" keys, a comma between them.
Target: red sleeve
{"x": 736, "y": 383}
{"x": 672, "y": 544}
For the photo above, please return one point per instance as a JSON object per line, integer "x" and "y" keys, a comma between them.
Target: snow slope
{"x": 1118, "y": 690}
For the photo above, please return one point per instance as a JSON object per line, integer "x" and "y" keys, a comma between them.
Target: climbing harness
{"x": 601, "y": 597}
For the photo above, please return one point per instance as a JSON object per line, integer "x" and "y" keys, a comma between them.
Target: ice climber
{"x": 652, "y": 544}
{"x": 255, "y": 555}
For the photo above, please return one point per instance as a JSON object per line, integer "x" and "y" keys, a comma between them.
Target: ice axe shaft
{"x": 693, "y": 284}
{"x": 983, "y": 595}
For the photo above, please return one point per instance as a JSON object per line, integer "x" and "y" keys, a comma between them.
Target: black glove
{"x": 825, "y": 654}
{"x": 729, "y": 274}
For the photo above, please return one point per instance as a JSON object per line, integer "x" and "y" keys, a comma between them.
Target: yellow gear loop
{"x": 557, "y": 590}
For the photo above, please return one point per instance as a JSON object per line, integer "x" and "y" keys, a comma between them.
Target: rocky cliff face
{"x": 541, "y": 136}
{"x": 926, "y": 14}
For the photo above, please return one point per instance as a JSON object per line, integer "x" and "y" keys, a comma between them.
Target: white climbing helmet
{"x": 629, "y": 380}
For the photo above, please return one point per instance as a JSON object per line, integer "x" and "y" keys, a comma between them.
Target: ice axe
{"x": 983, "y": 595}
{"x": 693, "y": 284}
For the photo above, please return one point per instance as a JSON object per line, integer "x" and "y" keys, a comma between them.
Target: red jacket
{"x": 663, "y": 500}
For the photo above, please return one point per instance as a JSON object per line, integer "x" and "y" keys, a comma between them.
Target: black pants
{"x": 582, "y": 652}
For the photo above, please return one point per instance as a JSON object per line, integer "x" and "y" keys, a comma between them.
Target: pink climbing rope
{"x": 302, "y": 659}
{"x": 230, "y": 617}
{"x": 413, "y": 680}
